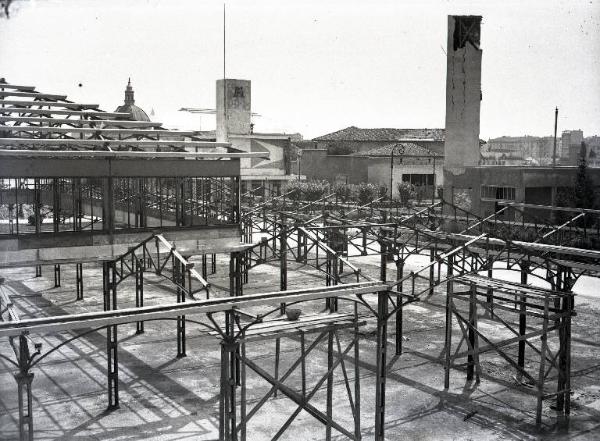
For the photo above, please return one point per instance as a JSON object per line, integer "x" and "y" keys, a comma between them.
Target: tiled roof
{"x": 404, "y": 148}
{"x": 353, "y": 133}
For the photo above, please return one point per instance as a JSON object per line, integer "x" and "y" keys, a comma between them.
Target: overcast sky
{"x": 315, "y": 66}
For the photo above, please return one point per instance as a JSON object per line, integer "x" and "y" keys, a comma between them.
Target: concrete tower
{"x": 233, "y": 111}
{"x": 463, "y": 99}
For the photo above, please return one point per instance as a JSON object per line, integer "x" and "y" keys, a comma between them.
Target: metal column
{"x": 109, "y": 277}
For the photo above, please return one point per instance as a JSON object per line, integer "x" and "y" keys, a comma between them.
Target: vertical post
{"x": 554, "y": 149}
{"x": 449, "y": 306}
{"x": 399, "y": 300}
{"x": 357, "y": 434}
{"x": 38, "y": 271}
{"x": 383, "y": 261}
{"x": 563, "y": 398}
{"x": 333, "y": 301}
{"x": 179, "y": 280}
{"x": 382, "y": 311}
{"x": 79, "y": 280}
{"x": 24, "y": 379}
{"x": 431, "y": 271}
{"x": 490, "y": 291}
{"x": 329, "y": 385}
{"x": 110, "y": 303}
{"x": 522, "y": 318}
{"x": 243, "y": 392}
{"x": 235, "y": 274}
{"x": 283, "y": 261}
{"x": 542, "y": 370}
{"x": 57, "y": 275}
{"x": 473, "y": 357}
{"x": 139, "y": 292}
{"x": 204, "y": 270}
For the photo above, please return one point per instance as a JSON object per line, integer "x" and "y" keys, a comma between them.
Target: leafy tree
{"x": 406, "y": 192}
{"x": 366, "y": 193}
{"x": 584, "y": 187}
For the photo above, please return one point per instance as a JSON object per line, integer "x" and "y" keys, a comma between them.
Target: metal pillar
{"x": 235, "y": 274}
{"x": 431, "y": 271}
{"x": 382, "y": 311}
{"x": 56, "y": 275}
{"x": 563, "y": 398}
{"x": 229, "y": 372}
{"x": 399, "y": 312}
{"x": 139, "y": 292}
{"x": 24, "y": 379}
{"x": 473, "y": 357}
{"x": 490, "y": 291}
{"x": 38, "y": 271}
{"x": 79, "y": 280}
{"x": 204, "y": 268}
{"x": 449, "y": 306}
{"x": 357, "y": 433}
{"x": 329, "y": 385}
{"x": 522, "y": 318}
{"x": 283, "y": 261}
{"x": 179, "y": 280}
{"x": 109, "y": 278}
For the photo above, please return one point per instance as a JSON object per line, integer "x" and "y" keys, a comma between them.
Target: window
{"x": 418, "y": 179}
{"x": 498, "y": 193}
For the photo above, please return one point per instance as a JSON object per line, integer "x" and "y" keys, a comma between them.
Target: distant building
{"x": 234, "y": 124}
{"x": 571, "y": 146}
{"x": 411, "y": 163}
{"x": 356, "y": 140}
{"x": 593, "y": 146}
{"x": 518, "y": 150}
{"x": 130, "y": 107}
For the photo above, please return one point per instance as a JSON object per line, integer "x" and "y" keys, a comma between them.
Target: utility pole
{"x": 555, "y": 126}
{"x": 554, "y": 189}
{"x": 392, "y": 173}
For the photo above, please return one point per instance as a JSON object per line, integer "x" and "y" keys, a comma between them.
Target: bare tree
{"x": 5, "y": 8}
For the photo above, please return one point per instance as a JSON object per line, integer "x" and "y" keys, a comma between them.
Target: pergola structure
{"x": 470, "y": 248}
{"x": 142, "y": 200}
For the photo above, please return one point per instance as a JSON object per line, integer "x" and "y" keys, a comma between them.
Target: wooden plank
{"x": 306, "y": 330}
{"x": 78, "y": 122}
{"x": 117, "y": 164}
{"x": 49, "y": 103}
{"x": 125, "y": 155}
{"x": 31, "y": 94}
{"x": 551, "y": 208}
{"x": 111, "y": 142}
{"x": 97, "y": 131}
{"x": 129, "y": 315}
{"x": 16, "y": 87}
{"x": 506, "y": 286}
{"x": 86, "y": 113}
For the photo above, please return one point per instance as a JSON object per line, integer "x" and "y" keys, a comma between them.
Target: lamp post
{"x": 401, "y": 146}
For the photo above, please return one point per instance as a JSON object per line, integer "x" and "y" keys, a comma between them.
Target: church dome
{"x": 130, "y": 107}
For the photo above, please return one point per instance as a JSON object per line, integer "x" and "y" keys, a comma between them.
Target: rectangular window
{"x": 418, "y": 179}
{"x": 498, "y": 193}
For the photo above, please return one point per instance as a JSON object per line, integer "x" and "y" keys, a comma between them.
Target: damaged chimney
{"x": 463, "y": 99}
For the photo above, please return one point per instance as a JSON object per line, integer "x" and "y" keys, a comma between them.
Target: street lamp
{"x": 401, "y": 151}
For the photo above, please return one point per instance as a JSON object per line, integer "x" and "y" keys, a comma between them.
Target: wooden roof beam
{"x": 16, "y": 87}
{"x": 49, "y": 103}
{"x": 77, "y": 122}
{"x": 93, "y": 130}
{"x": 28, "y": 94}
{"x": 219, "y": 304}
{"x": 105, "y": 154}
{"x": 90, "y": 113}
{"x": 103, "y": 142}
